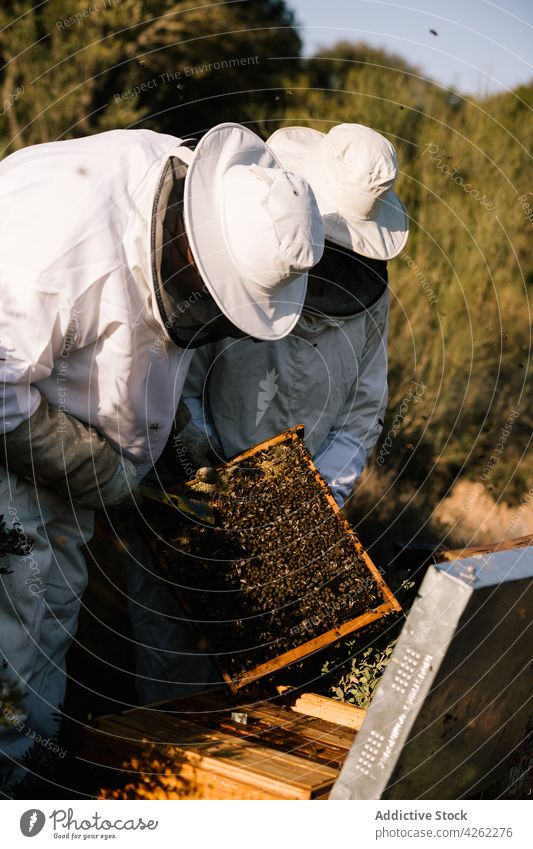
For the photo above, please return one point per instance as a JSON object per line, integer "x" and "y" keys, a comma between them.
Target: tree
{"x": 74, "y": 68}
{"x": 215, "y": 63}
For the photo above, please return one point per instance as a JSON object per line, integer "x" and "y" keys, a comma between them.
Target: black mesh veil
{"x": 344, "y": 283}
{"x": 190, "y": 314}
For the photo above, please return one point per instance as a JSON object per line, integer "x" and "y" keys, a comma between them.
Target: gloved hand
{"x": 202, "y": 450}
{"x": 121, "y": 490}
{"x": 55, "y": 450}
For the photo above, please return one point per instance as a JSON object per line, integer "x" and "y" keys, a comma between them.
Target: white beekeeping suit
{"x": 74, "y": 281}
{"x": 101, "y": 308}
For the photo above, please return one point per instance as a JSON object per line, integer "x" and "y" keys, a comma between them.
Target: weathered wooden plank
{"x": 189, "y": 781}
{"x": 331, "y": 710}
{"x": 203, "y": 753}
{"x": 114, "y": 742}
{"x": 297, "y": 738}
{"x": 314, "y": 728}
{"x": 310, "y": 722}
{"x": 505, "y": 545}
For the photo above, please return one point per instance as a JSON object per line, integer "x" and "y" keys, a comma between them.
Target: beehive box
{"x": 282, "y": 574}
{"x": 204, "y": 747}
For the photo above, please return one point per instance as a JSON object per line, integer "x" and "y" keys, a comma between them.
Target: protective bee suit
{"x": 329, "y": 374}
{"x": 94, "y": 352}
{"x": 77, "y": 333}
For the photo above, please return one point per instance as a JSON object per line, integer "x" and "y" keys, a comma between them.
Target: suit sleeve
{"x": 344, "y": 453}
{"x": 365, "y": 409}
{"x": 39, "y": 441}
{"x": 31, "y": 339}
{"x": 195, "y": 394}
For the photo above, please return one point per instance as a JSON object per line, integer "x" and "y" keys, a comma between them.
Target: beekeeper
{"x": 329, "y": 374}
{"x": 120, "y": 254}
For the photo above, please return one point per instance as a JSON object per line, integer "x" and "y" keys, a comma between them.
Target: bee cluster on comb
{"x": 280, "y": 567}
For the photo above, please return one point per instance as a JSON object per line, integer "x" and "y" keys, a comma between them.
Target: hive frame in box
{"x": 389, "y": 605}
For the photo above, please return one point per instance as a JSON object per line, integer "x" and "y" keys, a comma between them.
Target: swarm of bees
{"x": 278, "y": 568}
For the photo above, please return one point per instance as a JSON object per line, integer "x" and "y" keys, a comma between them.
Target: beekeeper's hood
{"x": 343, "y": 284}
{"x": 252, "y": 232}
{"x": 352, "y": 170}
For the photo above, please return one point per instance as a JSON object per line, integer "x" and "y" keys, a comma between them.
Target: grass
{"x": 358, "y": 684}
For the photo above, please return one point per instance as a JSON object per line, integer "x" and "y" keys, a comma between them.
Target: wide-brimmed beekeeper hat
{"x": 351, "y": 169}
{"x": 254, "y": 230}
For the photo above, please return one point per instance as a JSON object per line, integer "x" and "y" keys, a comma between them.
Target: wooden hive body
{"x": 194, "y": 749}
